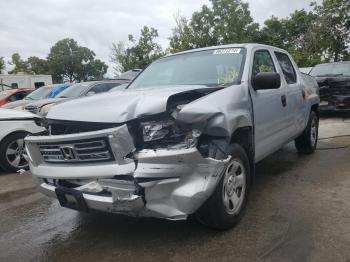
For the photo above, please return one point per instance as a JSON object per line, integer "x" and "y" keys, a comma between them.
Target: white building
{"x": 22, "y": 80}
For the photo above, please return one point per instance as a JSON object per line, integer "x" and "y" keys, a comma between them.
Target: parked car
{"x": 14, "y": 126}
{"x": 57, "y": 89}
{"x": 182, "y": 139}
{"x": 11, "y": 95}
{"x": 41, "y": 93}
{"x": 83, "y": 89}
{"x": 334, "y": 82}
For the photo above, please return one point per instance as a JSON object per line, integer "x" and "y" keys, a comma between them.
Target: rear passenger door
{"x": 269, "y": 110}
{"x": 294, "y": 93}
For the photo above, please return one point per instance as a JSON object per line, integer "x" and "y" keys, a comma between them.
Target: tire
{"x": 220, "y": 211}
{"x": 11, "y": 152}
{"x": 306, "y": 143}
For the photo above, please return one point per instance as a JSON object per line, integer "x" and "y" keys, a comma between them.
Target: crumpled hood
{"x": 119, "y": 106}
{"x": 11, "y": 114}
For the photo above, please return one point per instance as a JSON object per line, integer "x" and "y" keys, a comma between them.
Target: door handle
{"x": 284, "y": 100}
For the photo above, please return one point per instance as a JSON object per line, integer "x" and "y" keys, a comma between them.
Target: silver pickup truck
{"x": 182, "y": 139}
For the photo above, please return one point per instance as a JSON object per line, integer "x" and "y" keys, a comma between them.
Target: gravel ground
{"x": 299, "y": 210}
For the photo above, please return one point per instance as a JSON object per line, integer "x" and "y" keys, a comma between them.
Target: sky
{"x": 31, "y": 27}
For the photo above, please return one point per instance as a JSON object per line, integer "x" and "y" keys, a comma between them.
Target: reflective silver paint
{"x": 184, "y": 179}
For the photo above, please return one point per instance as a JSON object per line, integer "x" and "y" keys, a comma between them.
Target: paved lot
{"x": 299, "y": 210}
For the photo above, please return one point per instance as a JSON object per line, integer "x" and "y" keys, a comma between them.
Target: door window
{"x": 99, "y": 88}
{"x": 109, "y": 86}
{"x": 287, "y": 68}
{"x": 17, "y": 96}
{"x": 262, "y": 62}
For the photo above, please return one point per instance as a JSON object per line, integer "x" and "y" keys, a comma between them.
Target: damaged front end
{"x": 151, "y": 166}
{"x": 157, "y": 148}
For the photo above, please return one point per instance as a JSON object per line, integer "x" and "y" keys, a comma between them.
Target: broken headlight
{"x": 46, "y": 108}
{"x": 167, "y": 133}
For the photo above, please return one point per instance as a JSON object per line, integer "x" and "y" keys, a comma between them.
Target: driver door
{"x": 269, "y": 108}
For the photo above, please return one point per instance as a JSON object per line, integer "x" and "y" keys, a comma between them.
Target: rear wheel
{"x": 225, "y": 207}
{"x": 12, "y": 152}
{"x": 306, "y": 143}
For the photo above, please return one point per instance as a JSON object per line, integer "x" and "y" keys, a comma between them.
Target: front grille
{"x": 32, "y": 109}
{"x": 89, "y": 150}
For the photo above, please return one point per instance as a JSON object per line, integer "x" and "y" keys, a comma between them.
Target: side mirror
{"x": 266, "y": 80}
{"x": 90, "y": 93}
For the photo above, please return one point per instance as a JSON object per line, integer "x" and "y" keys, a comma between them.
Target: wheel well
{"x": 244, "y": 137}
{"x": 12, "y": 133}
{"x": 315, "y": 108}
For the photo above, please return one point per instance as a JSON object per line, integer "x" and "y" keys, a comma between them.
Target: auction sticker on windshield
{"x": 227, "y": 51}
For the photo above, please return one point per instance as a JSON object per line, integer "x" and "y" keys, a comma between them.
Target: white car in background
{"x": 14, "y": 126}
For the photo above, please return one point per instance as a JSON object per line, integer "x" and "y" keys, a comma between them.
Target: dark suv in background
{"x": 334, "y": 82}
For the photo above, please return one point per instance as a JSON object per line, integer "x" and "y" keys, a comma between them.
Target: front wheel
{"x": 12, "y": 152}
{"x": 306, "y": 143}
{"x": 225, "y": 207}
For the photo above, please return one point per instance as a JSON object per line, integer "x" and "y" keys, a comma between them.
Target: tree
{"x": 273, "y": 33}
{"x": 182, "y": 35}
{"x": 333, "y": 28}
{"x": 226, "y": 21}
{"x": 69, "y": 61}
{"x": 93, "y": 70}
{"x": 20, "y": 64}
{"x": 2, "y": 64}
{"x": 139, "y": 53}
{"x": 38, "y": 65}
{"x": 294, "y": 33}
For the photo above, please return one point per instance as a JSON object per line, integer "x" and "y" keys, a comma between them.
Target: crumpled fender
{"x": 217, "y": 115}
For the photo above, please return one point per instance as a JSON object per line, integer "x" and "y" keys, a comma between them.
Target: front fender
{"x": 219, "y": 113}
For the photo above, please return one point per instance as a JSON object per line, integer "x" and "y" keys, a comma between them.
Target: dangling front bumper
{"x": 167, "y": 183}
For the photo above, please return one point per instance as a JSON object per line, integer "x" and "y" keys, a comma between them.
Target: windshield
{"x": 74, "y": 91}
{"x": 4, "y": 94}
{"x": 210, "y": 67}
{"x": 40, "y": 93}
{"x": 331, "y": 69}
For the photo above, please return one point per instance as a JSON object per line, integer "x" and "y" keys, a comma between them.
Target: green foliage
{"x": 69, "y": 61}
{"x": 295, "y": 34}
{"x": 2, "y": 64}
{"x": 38, "y": 65}
{"x": 94, "y": 70}
{"x": 182, "y": 38}
{"x": 33, "y": 65}
{"x": 226, "y": 21}
{"x": 311, "y": 37}
{"x": 19, "y": 64}
{"x": 139, "y": 54}
{"x": 333, "y": 28}
{"x": 320, "y": 35}
{"x": 273, "y": 33}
